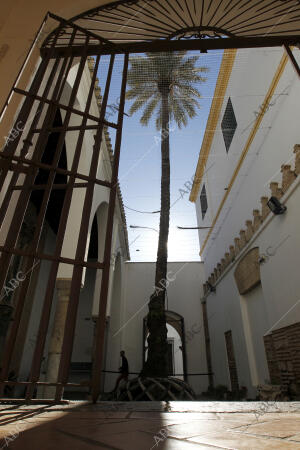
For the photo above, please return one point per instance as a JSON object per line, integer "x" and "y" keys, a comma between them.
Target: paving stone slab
{"x": 232, "y": 441}
{"x": 133, "y": 426}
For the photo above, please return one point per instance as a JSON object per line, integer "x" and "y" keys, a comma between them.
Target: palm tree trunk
{"x": 156, "y": 364}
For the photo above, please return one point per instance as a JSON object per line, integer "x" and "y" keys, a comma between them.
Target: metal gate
{"x": 22, "y": 159}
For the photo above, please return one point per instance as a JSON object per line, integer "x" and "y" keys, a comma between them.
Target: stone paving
{"x": 151, "y": 425}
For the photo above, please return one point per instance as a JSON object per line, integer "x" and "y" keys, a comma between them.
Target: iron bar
{"x": 18, "y": 168}
{"x": 51, "y": 177}
{"x": 45, "y": 383}
{"x": 23, "y": 65}
{"x": 144, "y": 339}
{"x": 11, "y": 147}
{"x": 81, "y": 246}
{"x": 27, "y": 141}
{"x": 41, "y": 187}
{"x": 77, "y": 128}
{"x": 100, "y": 324}
{"x": 47, "y": 257}
{"x": 207, "y": 344}
{"x": 10, "y": 242}
{"x": 65, "y": 107}
{"x": 17, "y": 221}
{"x": 41, "y": 143}
{"x": 84, "y": 30}
{"x": 175, "y": 374}
{"x": 202, "y": 45}
{"x": 183, "y": 343}
{"x": 56, "y": 169}
{"x": 34, "y": 401}
{"x": 44, "y": 322}
{"x": 292, "y": 58}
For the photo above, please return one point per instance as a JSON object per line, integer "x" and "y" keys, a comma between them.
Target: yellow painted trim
{"x": 213, "y": 118}
{"x": 263, "y": 109}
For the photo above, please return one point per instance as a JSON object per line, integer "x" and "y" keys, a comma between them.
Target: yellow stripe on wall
{"x": 213, "y": 118}
{"x": 252, "y": 134}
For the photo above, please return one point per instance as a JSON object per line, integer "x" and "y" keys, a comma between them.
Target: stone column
{"x": 63, "y": 287}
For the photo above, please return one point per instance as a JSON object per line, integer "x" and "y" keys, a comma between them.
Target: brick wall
{"x": 283, "y": 354}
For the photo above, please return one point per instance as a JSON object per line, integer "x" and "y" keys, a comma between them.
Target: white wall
{"x": 224, "y": 314}
{"x": 273, "y": 305}
{"x": 251, "y": 77}
{"x": 84, "y": 332}
{"x": 256, "y": 323}
{"x": 184, "y": 295}
{"x": 114, "y": 343}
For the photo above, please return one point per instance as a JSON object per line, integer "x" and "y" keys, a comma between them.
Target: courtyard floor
{"x": 151, "y": 425}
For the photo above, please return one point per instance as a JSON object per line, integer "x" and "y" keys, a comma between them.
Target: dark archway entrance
{"x": 120, "y": 27}
{"x": 176, "y": 344}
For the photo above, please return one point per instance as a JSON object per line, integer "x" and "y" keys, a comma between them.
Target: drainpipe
{"x": 207, "y": 344}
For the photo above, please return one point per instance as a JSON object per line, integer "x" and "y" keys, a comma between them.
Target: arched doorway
{"x": 176, "y": 344}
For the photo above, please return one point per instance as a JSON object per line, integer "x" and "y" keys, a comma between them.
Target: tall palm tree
{"x": 163, "y": 84}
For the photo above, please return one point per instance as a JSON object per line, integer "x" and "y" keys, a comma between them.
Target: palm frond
{"x": 148, "y": 111}
{"x": 172, "y": 72}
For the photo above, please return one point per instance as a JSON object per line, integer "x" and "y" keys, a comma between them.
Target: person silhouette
{"x": 124, "y": 370}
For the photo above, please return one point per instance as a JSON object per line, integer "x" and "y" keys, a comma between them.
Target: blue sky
{"x": 140, "y": 170}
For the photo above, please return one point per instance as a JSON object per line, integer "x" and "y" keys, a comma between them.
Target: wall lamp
{"x": 192, "y": 228}
{"x": 146, "y": 228}
{"x": 276, "y": 206}
{"x": 211, "y": 287}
